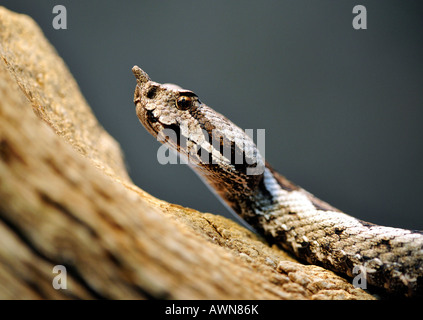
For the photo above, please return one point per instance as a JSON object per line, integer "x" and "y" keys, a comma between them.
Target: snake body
{"x": 314, "y": 231}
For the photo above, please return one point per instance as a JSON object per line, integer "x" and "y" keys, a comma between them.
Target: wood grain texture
{"x": 66, "y": 198}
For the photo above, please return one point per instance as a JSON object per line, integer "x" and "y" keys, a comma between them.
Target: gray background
{"x": 342, "y": 109}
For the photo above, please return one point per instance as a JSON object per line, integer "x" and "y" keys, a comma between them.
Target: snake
{"x": 229, "y": 162}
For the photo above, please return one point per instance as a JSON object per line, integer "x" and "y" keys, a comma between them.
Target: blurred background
{"x": 342, "y": 108}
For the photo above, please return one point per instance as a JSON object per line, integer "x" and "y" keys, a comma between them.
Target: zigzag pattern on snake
{"x": 311, "y": 229}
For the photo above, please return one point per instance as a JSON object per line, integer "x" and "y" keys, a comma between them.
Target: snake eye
{"x": 184, "y": 102}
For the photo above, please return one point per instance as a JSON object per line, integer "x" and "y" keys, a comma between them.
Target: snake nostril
{"x": 151, "y": 93}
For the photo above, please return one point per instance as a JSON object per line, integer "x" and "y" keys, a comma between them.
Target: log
{"x": 66, "y": 199}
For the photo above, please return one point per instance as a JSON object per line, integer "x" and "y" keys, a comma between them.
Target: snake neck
{"x": 249, "y": 196}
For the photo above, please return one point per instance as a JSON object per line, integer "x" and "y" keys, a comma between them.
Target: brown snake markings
{"x": 311, "y": 229}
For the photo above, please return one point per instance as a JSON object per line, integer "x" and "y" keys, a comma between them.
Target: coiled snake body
{"x": 311, "y": 229}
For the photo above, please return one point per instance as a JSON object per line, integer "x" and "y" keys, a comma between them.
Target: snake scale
{"x": 314, "y": 231}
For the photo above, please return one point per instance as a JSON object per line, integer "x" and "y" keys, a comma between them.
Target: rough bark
{"x": 66, "y": 199}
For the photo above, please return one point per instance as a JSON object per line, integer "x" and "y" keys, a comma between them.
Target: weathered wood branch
{"x": 66, "y": 199}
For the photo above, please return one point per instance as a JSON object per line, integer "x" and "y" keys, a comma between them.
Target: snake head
{"x": 161, "y": 106}
{"x": 166, "y": 111}
{"x": 176, "y": 117}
